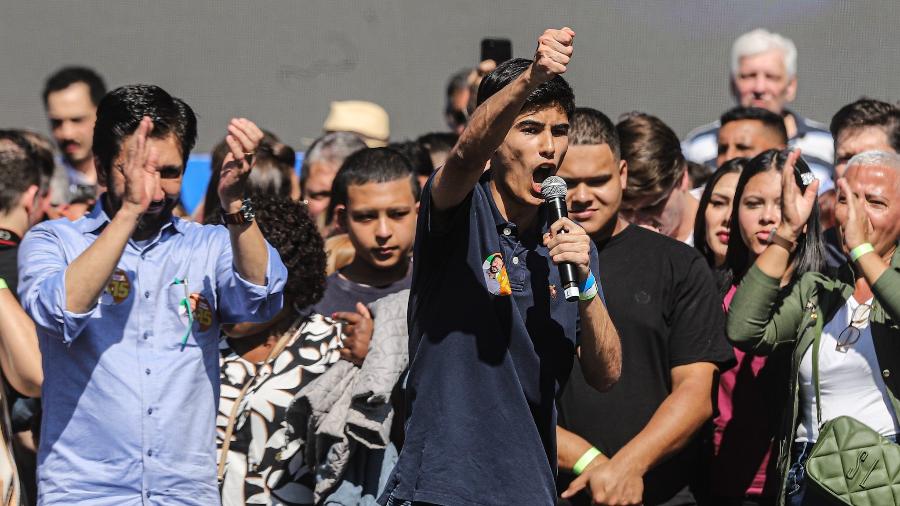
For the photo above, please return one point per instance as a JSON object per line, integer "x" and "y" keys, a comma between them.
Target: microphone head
{"x": 554, "y": 187}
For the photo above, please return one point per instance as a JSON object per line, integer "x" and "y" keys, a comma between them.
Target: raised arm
{"x": 492, "y": 120}
{"x": 88, "y": 275}
{"x": 875, "y": 269}
{"x": 251, "y": 256}
{"x": 758, "y": 320}
{"x": 796, "y": 207}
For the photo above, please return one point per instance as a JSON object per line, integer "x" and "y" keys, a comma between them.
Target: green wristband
{"x": 861, "y": 250}
{"x": 585, "y": 459}
{"x": 3, "y": 284}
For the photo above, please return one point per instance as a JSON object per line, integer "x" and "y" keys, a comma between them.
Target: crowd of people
{"x": 393, "y": 325}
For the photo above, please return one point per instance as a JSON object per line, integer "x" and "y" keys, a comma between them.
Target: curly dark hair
{"x": 287, "y": 226}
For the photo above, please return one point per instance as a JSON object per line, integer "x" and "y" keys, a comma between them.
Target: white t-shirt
{"x": 850, "y": 382}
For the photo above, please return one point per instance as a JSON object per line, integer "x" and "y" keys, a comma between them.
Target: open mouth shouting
{"x": 542, "y": 172}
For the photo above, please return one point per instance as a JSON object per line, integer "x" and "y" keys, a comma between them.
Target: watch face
{"x": 247, "y": 211}
{"x": 244, "y": 215}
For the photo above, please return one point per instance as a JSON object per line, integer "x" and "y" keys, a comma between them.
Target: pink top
{"x": 744, "y": 430}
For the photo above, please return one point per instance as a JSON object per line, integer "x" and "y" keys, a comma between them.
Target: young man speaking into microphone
{"x": 491, "y": 334}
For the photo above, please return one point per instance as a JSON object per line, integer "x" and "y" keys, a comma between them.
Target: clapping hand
{"x": 858, "y": 228}
{"x": 142, "y": 180}
{"x": 796, "y": 205}
{"x": 243, "y": 139}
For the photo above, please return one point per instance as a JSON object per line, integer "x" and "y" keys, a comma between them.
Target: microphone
{"x": 554, "y": 191}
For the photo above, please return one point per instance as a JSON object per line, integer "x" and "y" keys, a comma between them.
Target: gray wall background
{"x": 282, "y": 62}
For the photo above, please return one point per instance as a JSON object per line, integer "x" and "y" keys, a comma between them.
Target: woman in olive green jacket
{"x": 868, "y": 217}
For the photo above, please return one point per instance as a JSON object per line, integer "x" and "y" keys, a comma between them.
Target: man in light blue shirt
{"x": 130, "y": 365}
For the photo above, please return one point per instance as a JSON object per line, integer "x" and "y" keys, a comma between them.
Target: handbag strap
{"x": 825, "y": 312}
{"x": 276, "y": 350}
{"x": 815, "y": 370}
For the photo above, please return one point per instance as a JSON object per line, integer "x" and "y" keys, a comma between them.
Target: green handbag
{"x": 850, "y": 463}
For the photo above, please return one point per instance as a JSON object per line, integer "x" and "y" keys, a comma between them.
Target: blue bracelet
{"x": 588, "y": 283}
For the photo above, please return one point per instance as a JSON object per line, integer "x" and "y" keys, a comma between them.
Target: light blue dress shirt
{"x": 129, "y": 412}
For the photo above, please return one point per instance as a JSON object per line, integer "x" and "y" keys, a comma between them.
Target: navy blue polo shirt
{"x": 491, "y": 341}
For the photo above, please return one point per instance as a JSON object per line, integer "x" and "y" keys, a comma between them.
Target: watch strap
{"x": 777, "y": 240}
{"x": 243, "y": 216}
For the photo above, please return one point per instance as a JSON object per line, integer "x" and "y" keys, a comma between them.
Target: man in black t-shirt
{"x": 663, "y": 301}
{"x": 491, "y": 334}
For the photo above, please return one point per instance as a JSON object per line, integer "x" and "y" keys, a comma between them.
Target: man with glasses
{"x": 857, "y": 311}
{"x": 131, "y": 377}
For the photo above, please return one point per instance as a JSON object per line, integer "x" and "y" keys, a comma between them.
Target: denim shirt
{"x": 129, "y": 406}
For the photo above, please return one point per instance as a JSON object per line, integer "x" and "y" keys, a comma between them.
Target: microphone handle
{"x": 567, "y": 273}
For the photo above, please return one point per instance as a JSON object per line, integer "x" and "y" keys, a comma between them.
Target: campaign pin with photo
{"x": 495, "y": 276}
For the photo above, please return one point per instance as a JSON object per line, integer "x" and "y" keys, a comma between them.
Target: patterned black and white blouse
{"x": 253, "y": 472}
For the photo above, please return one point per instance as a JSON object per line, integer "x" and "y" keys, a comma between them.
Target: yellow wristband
{"x": 3, "y": 284}
{"x": 585, "y": 459}
{"x": 861, "y": 250}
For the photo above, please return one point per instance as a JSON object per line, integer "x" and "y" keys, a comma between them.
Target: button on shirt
{"x": 492, "y": 338}
{"x": 129, "y": 409}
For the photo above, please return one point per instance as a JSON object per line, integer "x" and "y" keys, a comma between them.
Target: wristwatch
{"x": 777, "y": 240}
{"x": 244, "y": 215}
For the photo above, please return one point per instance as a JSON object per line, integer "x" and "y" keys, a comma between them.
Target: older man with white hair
{"x": 764, "y": 74}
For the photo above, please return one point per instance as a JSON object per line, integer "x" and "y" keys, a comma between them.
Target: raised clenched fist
{"x": 553, "y": 53}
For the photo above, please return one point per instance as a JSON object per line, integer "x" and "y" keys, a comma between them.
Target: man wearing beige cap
{"x": 366, "y": 119}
